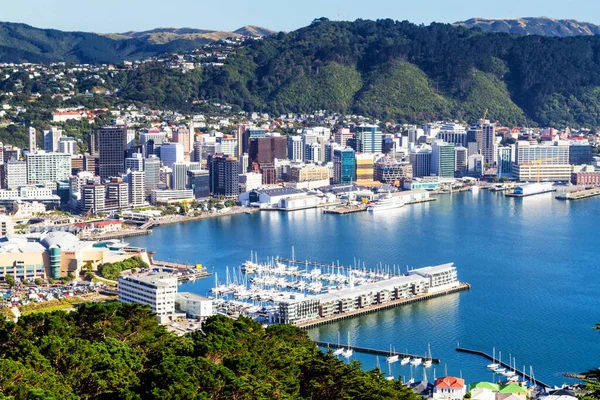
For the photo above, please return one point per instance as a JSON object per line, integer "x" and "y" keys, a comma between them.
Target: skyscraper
{"x": 224, "y": 175}
{"x": 171, "y": 153}
{"x": 180, "y": 176}
{"x": 152, "y": 173}
{"x": 48, "y": 167}
{"x": 32, "y": 139}
{"x": 344, "y": 166}
{"x": 442, "y": 159}
{"x": 489, "y": 147}
{"x": 184, "y": 136}
{"x": 117, "y": 194}
{"x": 420, "y": 159}
{"x": 51, "y": 138}
{"x": 135, "y": 162}
{"x": 370, "y": 138}
{"x": 295, "y": 148}
{"x": 199, "y": 181}
{"x": 460, "y": 160}
{"x": 266, "y": 149}
{"x": 112, "y": 145}
{"x": 15, "y": 174}
{"x": 365, "y": 169}
{"x": 137, "y": 187}
{"x": 67, "y": 145}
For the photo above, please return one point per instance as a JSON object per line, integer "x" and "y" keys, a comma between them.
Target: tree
{"x": 38, "y": 281}
{"x": 10, "y": 280}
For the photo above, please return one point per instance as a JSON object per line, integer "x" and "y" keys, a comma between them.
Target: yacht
{"x": 386, "y": 203}
{"x": 429, "y": 360}
{"x": 494, "y": 364}
{"x": 405, "y": 361}
{"x": 416, "y": 361}
{"x": 348, "y": 352}
{"x": 392, "y": 358}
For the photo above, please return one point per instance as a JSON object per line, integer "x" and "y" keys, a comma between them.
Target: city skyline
{"x": 136, "y": 15}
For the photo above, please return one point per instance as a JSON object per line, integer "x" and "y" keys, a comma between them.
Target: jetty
{"x": 581, "y": 194}
{"x": 184, "y": 272}
{"x": 346, "y": 209}
{"x": 376, "y": 352}
{"x": 382, "y": 306}
{"x": 390, "y": 271}
{"x": 503, "y": 364}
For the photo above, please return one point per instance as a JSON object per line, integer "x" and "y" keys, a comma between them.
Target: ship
{"x": 386, "y": 203}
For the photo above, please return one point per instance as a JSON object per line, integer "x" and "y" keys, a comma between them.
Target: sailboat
{"x": 340, "y": 349}
{"x": 499, "y": 369}
{"x": 416, "y": 361}
{"x": 390, "y": 377}
{"x": 392, "y": 357}
{"x": 405, "y": 360}
{"x": 510, "y": 373}
{"x": 494, "y": 364}
{"x": 429, "y": 361}
{"x": 348, "y": 353}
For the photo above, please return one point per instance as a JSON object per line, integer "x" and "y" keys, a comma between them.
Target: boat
{"x": 405, "y": 361}
{"x": 392, "y": 358}
{"x": 390, "y": 377}
{"x": 499, "y": 370}
{"x": 416, "y": 361}
{"x": 494, "y": 364}
{"x": 348, "y": 353}
{"x": 340, "y": 349}
{"x": 428, "y": 361}
{"x": 474, "y": 189}
{"x": 386, "y": 203}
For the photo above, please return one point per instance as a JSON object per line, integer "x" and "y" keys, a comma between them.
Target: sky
{"x": 108, "y": 16}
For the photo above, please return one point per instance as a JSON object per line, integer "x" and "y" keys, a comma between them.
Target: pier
{"x": 376, "y": 352}
{"x": 582, "y": 194}
{"x": 184, "y": 269}
{"x": 382, "y": 306}
{"x": 345, "y": 210}
{"x": 503, "y": 364}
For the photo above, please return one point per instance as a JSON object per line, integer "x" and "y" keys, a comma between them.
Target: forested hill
{"x": 543, "y": 26}
{"x": 406, "y": 72}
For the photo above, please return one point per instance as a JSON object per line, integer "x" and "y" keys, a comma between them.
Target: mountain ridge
{"x": 542, "y": 26}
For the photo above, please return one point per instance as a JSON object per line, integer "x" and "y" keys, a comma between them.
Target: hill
{"x": 542, "y": 26}
{"x": 119, "y": 351}
{"x": 166, "y": 35}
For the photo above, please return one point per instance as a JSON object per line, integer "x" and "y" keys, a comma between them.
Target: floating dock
{"x": 378, "y": 307}
{"x": 376, "y": 352}
{"x": 581, "y": 194}
{"x": 503, "y": 364}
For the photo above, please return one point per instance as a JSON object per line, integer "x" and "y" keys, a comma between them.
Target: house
{"x": 512, "y": 391}
{"x": 449, "y": 388}
{"x": 483, "y": 391}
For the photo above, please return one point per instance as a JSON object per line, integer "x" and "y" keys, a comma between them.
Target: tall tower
{"x": 489, "y": 147}
{"x": 32, "y": 139}
{"x": 112, "y": 143}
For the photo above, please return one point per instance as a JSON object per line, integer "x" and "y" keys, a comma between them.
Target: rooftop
{"x": 433, "y": 270}
{"x": 449, "y": 382}
{"x": 157, "y": 279}
{"x": 192, "y": 296}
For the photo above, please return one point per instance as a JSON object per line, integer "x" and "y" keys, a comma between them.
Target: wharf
{"x": 345, "y": 210}
{"x": 383, "y": 306}
{"x": 503, "y": 364}
{"x": 117, "y": 235}
{"x": 198, "y": 273}
{"x": 421, "y": 201}
{"x": 512, "y": 194}
{"x": 376, "y": 352}
{"x": 582, "y": 194}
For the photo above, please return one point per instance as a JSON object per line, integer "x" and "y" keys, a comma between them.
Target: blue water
{"x": 532, "y": 264}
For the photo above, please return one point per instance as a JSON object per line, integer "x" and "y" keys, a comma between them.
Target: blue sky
{"x": 123, "y": 15}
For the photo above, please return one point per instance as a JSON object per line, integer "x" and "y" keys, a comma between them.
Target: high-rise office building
{"x": 489, "y": 146}
{"x": 15, "y": 174}
{"x": 93, "y": 198}
{"x": 370, "y": 138}
{"x": 344, "y": 166}
{"x": 197, "y": 153}
{"x": 152, "y": 173}
{"x": 48, "y": 167}
{"x": 67, "y": 145}
{"x": 548, "y": 162}
{"x": 365, "y": 170}
{"x": 505, "y": 161}
{"x": 312, "y": 152}
{"x": 580, "y": 154}
{"x": 226, "y": 144}
{"x": 295, "y": 148}
{"x": 442, "y": 159}
{"x": 414, "y": 134}
{"x": 137, "y": 188}
{"x": 32, "y": 139}
{"x": 151, "y": 141}
{"x": 51, "y": 138}
{"x": 224, "y": 175}
{"x": 245, "y": 162}
{"x": 112, "y": 145}
{"x": 199, "y": 181}
{"x": 341, "y": 136}
{"x": 250, "y": 133}
{"x": 461, "y": 156}
{"x": 453, "y": 133}
{"x": 420, "y": 159}
{"x": 135, "y": 162}
{"x": 389, "y": 170}
{"x": 92, "y": 142}
{"x": 184, "y": 136}
{"x": 180, "y": 177}
{"x": 171, "y": 153}
{"x": 266, "y": 149}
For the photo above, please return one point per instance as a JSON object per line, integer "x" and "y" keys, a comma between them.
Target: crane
{"x": 538, "y": 163}
{"x": 483, "y": 119}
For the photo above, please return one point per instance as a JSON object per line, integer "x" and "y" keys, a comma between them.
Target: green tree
{"x": 10, "y": 280}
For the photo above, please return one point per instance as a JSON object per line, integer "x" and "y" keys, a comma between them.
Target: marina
{"x": 377, "y": 352}
{"x": 581, "y": 194}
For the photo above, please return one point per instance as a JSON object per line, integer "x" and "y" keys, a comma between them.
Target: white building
{"x": 32, "y": 140}
{"x": 137, "y": 188}
{"x": 250, "y": 181}
{"x": 194, "y": 306}
{"x": 449, "y": 388}
{"x": 172, "y": 196}
{"x": 158, "y": 290}
{"x": 6, "y": 225}
{"x": 135, "y": 162}
{"x": 48, "y": 167}
{"x": 488, "y": 145}
{"x": 15, "y": 174}
{"x": 67, "y": 145}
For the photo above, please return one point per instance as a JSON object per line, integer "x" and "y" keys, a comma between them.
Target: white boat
{"x": 494, "y": 364}
{"x": 386, "y": 203}
{"x": 429, "y": 361}
{"x": 416, "y": 361}
{"x": 340, "y": 349}
{"x": 348, "y": 353}
{"x": 392, "y": 358}
{"x": 405, "y": 361}
{"x": 390, "y": 377}
{"x": 500, "y": 370}
{"x": 474, "y": 189}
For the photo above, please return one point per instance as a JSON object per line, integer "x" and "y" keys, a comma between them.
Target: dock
{"x": 376, "y": 352}
{"x": 582, "y": 194}
{"x": 503, "y": 364}
{"x": 345, "y": 210}
{"x": 198, "y": 273}
{"x": 382, "y": 306}
{"x": 322, "y": 265}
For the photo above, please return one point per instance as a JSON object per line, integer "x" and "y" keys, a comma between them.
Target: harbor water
{"x": 531, "y": 261}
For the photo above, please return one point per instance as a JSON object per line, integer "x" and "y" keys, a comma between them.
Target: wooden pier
{"x": 581, "y": 194}
{"x": 376, "y": 352}
{"x": 378, "y": 307}
{"x": 503, "y": 364}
